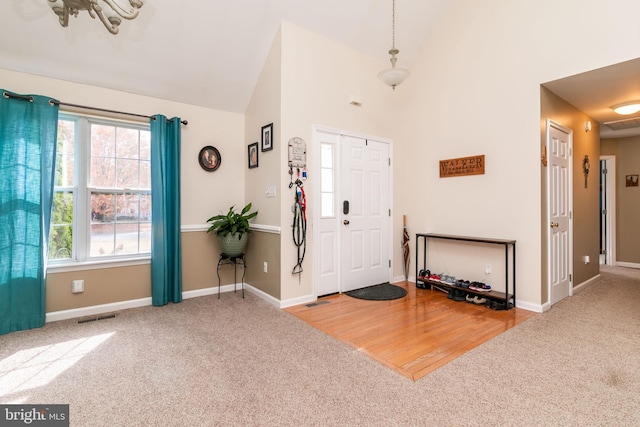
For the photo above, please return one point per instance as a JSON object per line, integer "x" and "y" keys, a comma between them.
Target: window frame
{"x": 81, "y": 257}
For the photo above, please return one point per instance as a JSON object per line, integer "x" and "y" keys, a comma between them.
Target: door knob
{"x": 345, "y": 222}
{"x": 554, "y": 224}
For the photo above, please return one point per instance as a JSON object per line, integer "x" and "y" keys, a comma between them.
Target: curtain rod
{"x": 67, "y": 104}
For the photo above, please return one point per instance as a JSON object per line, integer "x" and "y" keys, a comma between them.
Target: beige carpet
{"x": 209, "y": 362}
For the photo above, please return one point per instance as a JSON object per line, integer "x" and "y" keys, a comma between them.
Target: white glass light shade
{"x": 393, "y": 76}
{"x": 627, "y": 108}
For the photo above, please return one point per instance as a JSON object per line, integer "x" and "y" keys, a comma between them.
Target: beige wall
{"x": 318, "y": 76}
{"x": 260, "y": 250}
{"x": 200, "y": 254}
{"x": 264, "y": 108}
{"x": 101, "y": 286}
{"x": 627, "y": 153}
{"x": 475, "y": 89}
{"x": 586, "y": 202}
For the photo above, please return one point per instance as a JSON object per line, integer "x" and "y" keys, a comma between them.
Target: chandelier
{"x": 110, "y": 12}
{"x": 395, "y": 75}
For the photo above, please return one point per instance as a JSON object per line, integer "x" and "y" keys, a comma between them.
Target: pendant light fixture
{"x": 395, "y": 75}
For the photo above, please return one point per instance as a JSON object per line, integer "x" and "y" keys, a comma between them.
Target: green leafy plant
{"x": 233, "y": 222}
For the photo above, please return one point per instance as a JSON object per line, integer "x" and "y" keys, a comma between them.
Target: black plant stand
{"x": 235, "y": 261}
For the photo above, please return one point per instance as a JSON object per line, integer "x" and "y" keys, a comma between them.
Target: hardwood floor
{"x": 413, "y": 335}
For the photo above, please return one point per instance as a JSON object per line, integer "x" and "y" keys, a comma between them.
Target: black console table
{"x": 235, "y": 261}
{"x": 506, "y": 297}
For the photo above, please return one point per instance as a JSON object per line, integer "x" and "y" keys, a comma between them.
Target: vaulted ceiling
{"x": 207, "y": 52}
{"x": 210, "y": 52}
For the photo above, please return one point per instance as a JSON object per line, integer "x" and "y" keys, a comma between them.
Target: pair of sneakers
{"x": 424, "y": 274}
{"x": 449, "y": 280}
{"x": 499, "y": 305}
{"x": 457, "y": 294}
{"x": 479, "y": 286}
{"x": 475, "y": 299}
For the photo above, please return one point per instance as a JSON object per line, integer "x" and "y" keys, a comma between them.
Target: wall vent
{"x": 313, "y": 304}
{"x": 624, "y": 124}
{"x": 93, "y": 319}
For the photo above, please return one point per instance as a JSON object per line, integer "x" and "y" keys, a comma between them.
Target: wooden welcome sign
{"x": 462, "y": 166}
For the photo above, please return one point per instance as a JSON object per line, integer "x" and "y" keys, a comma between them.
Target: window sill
{"x": 96, "y": 265}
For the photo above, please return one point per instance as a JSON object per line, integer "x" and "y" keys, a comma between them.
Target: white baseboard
{"x": 547, "y": 306}
{"x": 628, "y": 264}
{"x": 586, "y": 283}
{"x": 401, "y": 279}
{"x": 96, "y": 309}
{"x": 213, "y": 290}
{"x": 265, "y": 296}
{"x": 123, "y": 305}
{"x": 526, "y": 305}
{"x": 297, "y": 301}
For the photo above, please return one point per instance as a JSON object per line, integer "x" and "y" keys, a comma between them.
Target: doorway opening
{"x": 607, "y": 210}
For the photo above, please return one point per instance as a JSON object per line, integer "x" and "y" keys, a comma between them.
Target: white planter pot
{"x": 233, "y": 244}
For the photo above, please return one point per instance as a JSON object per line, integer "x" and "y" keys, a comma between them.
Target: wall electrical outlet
{"x": 77, "y": 286}
{"x": 487, "y": 269}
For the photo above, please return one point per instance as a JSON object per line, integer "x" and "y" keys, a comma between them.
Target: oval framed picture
{"x": 209, "y": 158}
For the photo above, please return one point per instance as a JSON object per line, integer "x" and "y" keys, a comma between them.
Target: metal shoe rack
{"x": 509, "y": 249}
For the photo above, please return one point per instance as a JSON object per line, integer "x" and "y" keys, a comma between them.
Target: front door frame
{"x": 315, "y": 150}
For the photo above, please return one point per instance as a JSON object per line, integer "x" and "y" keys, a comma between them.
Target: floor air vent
{"x": 93, "y": 319}
{"x": 313, "y": 304}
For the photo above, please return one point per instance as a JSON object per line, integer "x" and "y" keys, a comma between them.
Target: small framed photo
{"x": 252, "y": 154}
{"x": 209, "y": 158}
{"x": 632, "y": 180}
{"x": 267, "y": 137}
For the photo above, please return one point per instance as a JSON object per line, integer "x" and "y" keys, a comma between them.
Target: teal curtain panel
{"x": 28, "y": 134}
{"x": 166, "y": 251}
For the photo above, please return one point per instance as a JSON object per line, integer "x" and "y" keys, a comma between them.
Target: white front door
{"x": 364, "y": 203}
{"x": 559, "y": 205}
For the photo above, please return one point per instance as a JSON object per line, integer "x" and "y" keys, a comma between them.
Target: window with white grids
{"x": 102, "y": 199}
{"x": 327, "y": 180}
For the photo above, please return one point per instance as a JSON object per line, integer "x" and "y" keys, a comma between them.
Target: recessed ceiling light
{"x": 627, "y": 108}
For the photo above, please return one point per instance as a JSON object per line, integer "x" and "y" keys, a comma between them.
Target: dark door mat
{"x": 381, "y": 292}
